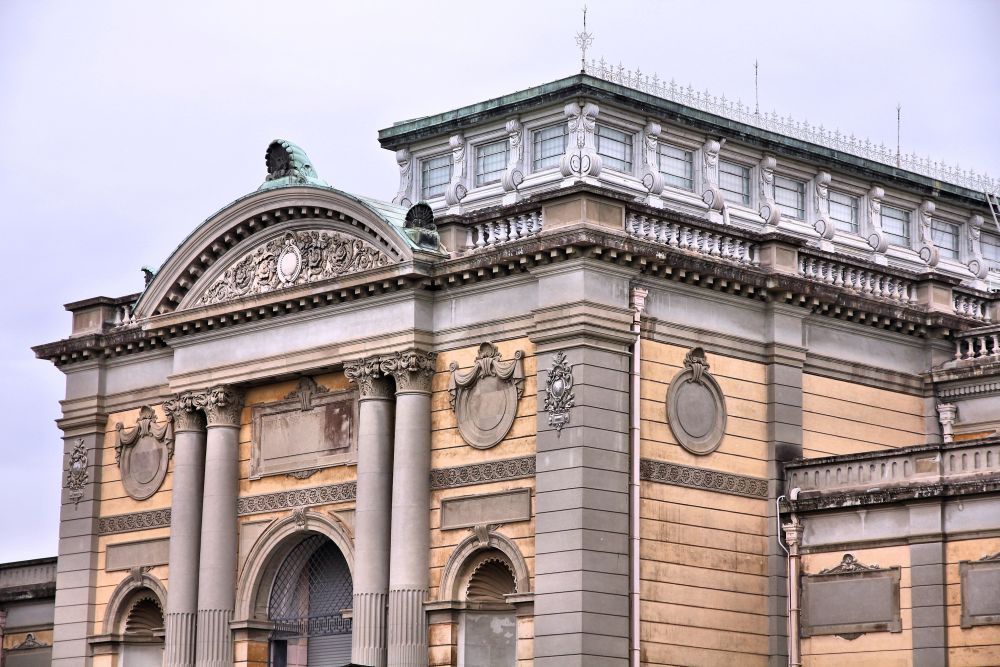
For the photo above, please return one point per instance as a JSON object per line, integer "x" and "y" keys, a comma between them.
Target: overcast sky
{"x": 126, "y": 124}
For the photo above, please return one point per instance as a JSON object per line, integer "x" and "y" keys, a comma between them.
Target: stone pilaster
{"x": 219, "y": 543}
{"x": 928, "y": 595}
{"x": 185, "y": 527}
{"x": 409, "y": 557}
{"x": 372, "y": 514}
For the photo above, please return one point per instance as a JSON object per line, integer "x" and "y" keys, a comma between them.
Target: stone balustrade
{"x": 877, "y": 471}
{"x": 693, "y": 239}
{"x": 503, "y": 230}
{"x": 968, "y": 305}
{"x": 863, "y": 281}
{"x": 981, "y": 344}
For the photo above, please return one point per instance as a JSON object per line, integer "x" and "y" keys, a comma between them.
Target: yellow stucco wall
{"x": 978, "y": 646}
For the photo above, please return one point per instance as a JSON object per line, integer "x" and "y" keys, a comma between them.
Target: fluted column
{"x": 410, "y": 547}
{"x": 219, "y": 547}
{"x": 185, "y": 527}
{"x": 372, "y": 515}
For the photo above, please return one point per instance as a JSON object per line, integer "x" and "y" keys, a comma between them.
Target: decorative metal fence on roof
{"x": 789, "y": 127}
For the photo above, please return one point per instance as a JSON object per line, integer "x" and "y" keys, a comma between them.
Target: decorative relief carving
{"x": 367, "y": 375}
{"x": 928, "y": 251}
{"x": 457, "y": 189}
{"x": 876, "y": 237}
{"x": 412, "y": 369}
{"x": 581, "y": 158}
{"x": 652, "y": 179}
{"x": 305, "y": 391}
{"x": 287, "y": 164}
{"x": 712, "y": 195}
{"x": 126, "y": 523}
{"x": 977, "y": 266}
{"x": 482, "y": 473}
{"x": 405, "y": 162}
{"x": 849, "y": 564}
{"x": 696, "y": 407}
{"x": 294, "y": 258}
{"x": 186, "y": 411}
{"x": 485, "y": 397}
{"x": 559, "y": 395}
{"x": 29, "y": 642}
{"x": 320, "y": 495}
{"x": 76, "y": 475}
{"x": 419, "y": 226}
{"x": 701, "y": 478}
{"x": 223, "y": 406}
{"x": 821, "y": 205}
{"x": 769, "y": 211}
{"x": 513, "y": 176}
{"x": 142, "y": 453}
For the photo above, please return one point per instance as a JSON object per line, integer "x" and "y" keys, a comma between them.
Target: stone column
{"x": 409, "y": 557}
{"x": 219, "y": 543}
{"x": 372, "y": 513}
{"x": 185, "y": 527}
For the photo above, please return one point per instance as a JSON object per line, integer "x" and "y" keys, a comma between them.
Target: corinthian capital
{"x": 223, "y": 406}
{"x": 185, "y": 410}
{"x": 367, "y": 374}
{"x": 412, "y": 370}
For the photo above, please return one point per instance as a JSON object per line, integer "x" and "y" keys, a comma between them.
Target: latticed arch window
{"x": 488, "y": 628}
{"x": 310, "y": 591}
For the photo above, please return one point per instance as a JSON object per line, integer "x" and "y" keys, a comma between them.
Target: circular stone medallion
{"x": 696, "y": 412}
{"x": 486, "y": 411}
{"x": 289, "y": 263}
{"x": 143, "y": 467}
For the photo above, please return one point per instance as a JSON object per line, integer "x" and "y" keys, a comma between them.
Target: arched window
{"x": 488, "y": 626}
{"x": 310, "y": 591}
{"x": 142, "y": 632}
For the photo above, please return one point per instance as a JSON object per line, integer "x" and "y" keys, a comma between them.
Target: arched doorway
{"x": 488, "y": 626}
{"x": 311, "y": 589}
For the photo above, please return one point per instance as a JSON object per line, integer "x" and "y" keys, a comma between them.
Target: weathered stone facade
{"x": 555, "y": 414}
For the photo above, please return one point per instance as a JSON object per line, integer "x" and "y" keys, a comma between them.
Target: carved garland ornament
{"x": 849, "y": 564}
{"x": 142, "y": 453}
{"x": 76, "y": 476}
{"x": 559, "y": 395}
{"x": 295, "y": 258}
{"x": 485, "y": 397}
{"x": 696, "y": 407}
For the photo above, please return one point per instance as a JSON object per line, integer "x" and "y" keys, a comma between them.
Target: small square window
{"x": 896, "y": 225}
{"x": 734, "y": 181}
{"x": 615, "y": 147}
{"x": 990, "y": 244}
{"x": 844, "y": 212}
{"x": 549, "y": 145}
{"x": 945, "y": 237}
{"x": 676, "y": 165}
{"x": 435, "y": 174}
{"x": 790, "y": 195}
{"x": 491, "y": 160}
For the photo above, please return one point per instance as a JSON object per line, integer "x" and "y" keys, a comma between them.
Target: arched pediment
{"x": 276, "y": 239}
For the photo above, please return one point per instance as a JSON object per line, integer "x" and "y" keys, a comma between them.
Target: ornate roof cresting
{"x": 287, "y": 164}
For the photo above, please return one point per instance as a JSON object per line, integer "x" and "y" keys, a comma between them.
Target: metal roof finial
{"x": 584, "y": 40}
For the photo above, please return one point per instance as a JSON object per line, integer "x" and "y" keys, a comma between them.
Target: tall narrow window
{"x": 549, "y": 146}
{"x": 844, "y": 211}
{"x": 734, "y": 181}
{"x": 990, "y": 244}
{"x": 896, "y": 225}
{"x": 615, "y": 147}
{"x": 435, "y": 174}
{"x": 945, "y": 236}
{"x": 790, "y": 195}
{"x": 676, "y": 165}
{"x": 491, "y": 160}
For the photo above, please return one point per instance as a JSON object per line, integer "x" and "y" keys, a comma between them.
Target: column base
{"x": 215, "y": 643}
{"x": 180, "y": 646}
{"x": 368, "y": 645}
{"x": 407, "y": 628}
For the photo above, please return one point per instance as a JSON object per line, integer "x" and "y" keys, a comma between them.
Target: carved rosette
{"x": 142, "y": 453}
{"x": 412, "y": 370}
{"x": 485, "y": 397}
{"x": 367, "y": 375}
{"x": 559, "y": 397}
{"x": 712, "y": 195}
{"x": 928, "y": 251}
{"x": 76, "y": 475}
{"x": 769, "y": 210}
{"x": 876, "y": 237}
{"x": 185, "y": 411}
{"x": 223, "y": 406}
{"x": 696, "y": 407}
{"x": 821, "y": 204}
{"x": 581, "y": 158}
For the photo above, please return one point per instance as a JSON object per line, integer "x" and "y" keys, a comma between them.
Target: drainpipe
{"x": 793, "y": 536}
{"x": 638, "y": 305}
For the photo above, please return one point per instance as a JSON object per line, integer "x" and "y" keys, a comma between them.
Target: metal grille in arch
{"x": 310, "y": 589}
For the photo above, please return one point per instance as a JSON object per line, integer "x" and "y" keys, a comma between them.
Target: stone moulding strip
{"x": 700, "y": 478}
{"x": 441, "y": 478}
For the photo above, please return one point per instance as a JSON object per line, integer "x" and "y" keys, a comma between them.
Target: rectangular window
{"x": 615, "y": 147}
{"x": 491, "y": 160}
{"x": 734, "y": 181}
{"x": 945, "y": 237}
{"x": 990, "y": 244}
{"x": 790, "y": 195}
{"x": 896, "y": 225}
{"x": 844, "y": 212}
{"x": 676, "y": 165}
{"x": 435, "y": 174}
{"x": 549, "y": 145}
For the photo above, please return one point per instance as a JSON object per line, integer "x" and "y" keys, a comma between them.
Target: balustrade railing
{"x": 693, "y": 239}
{"x": 975, "y": 307}
{"x": 978, "y": 344}
{"x": 503, "y": 230}
{"x": 860, "y": 280}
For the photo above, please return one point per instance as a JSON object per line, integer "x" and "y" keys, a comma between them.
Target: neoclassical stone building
{"x": 623, "y": 375}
